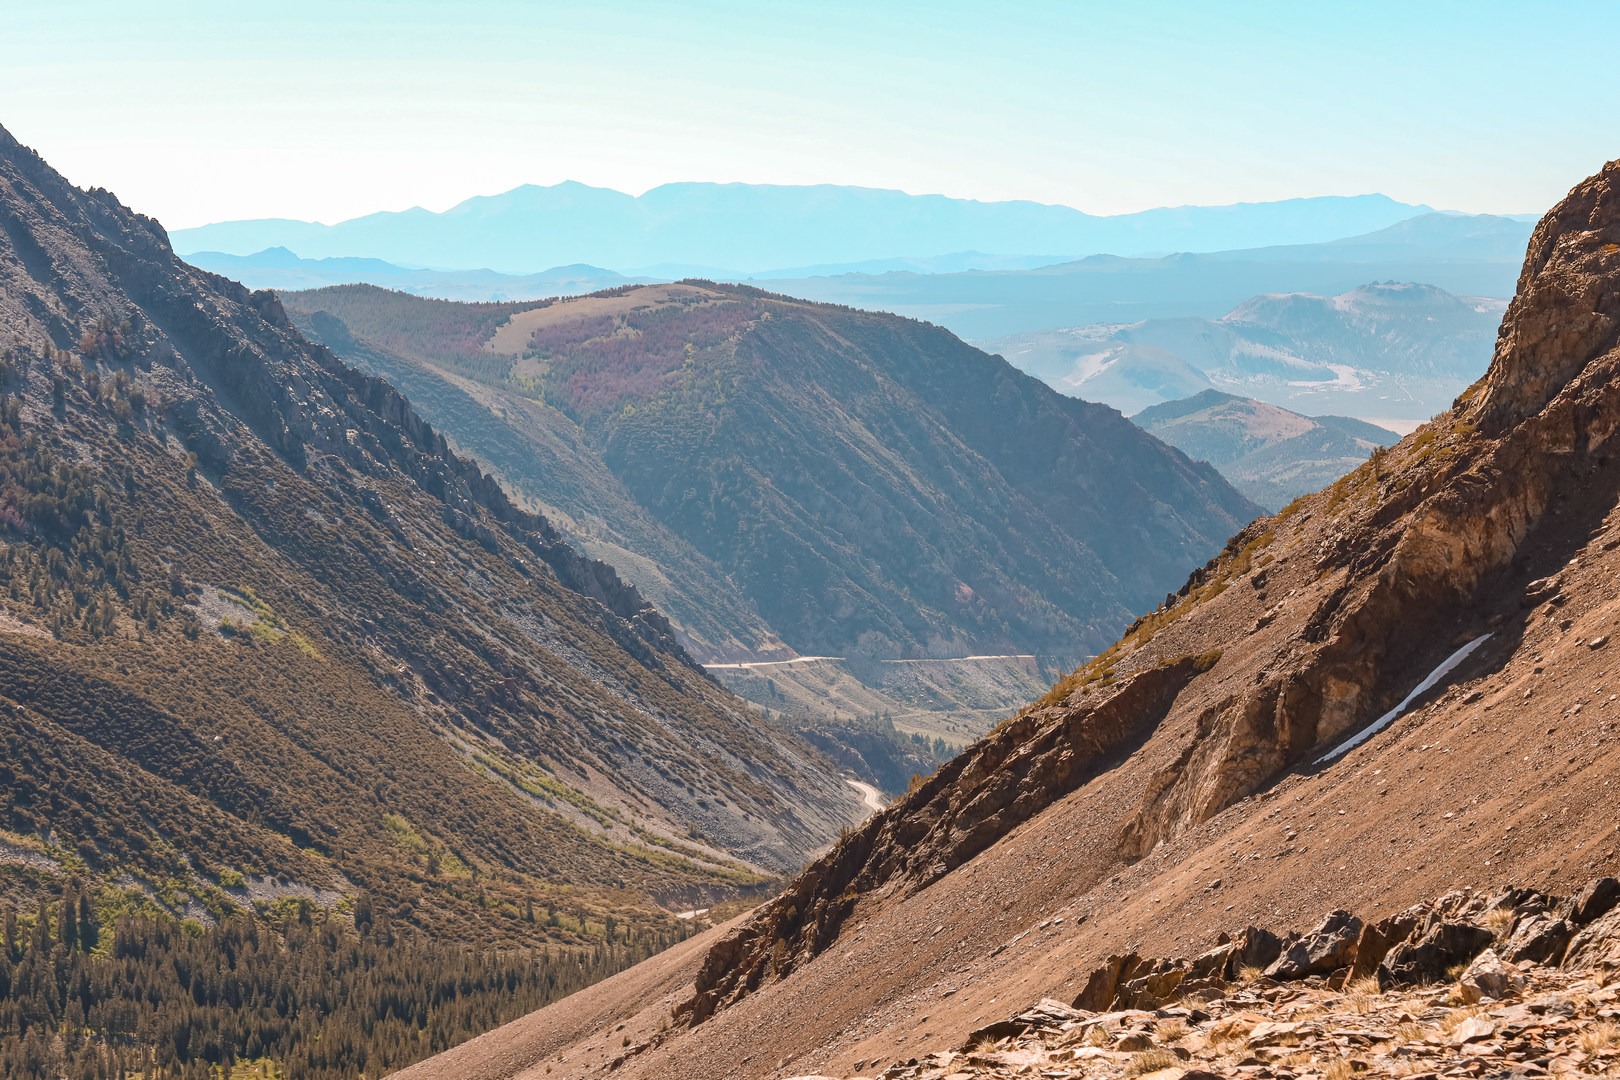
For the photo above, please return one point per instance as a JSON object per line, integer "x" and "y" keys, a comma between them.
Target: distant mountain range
{"x": 1398, "y": 352}
{"x": 732, "y": 230}
{"x": 280, "y": 269}
{"x": 1270, "y": 454}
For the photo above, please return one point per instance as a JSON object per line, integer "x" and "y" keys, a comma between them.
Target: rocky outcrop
{"x": 1565, "y": 312}
{"x": 1428, "y": 943}
{"x": 1497, "y": 1019}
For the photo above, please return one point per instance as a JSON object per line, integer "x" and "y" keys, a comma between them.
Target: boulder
{"x": 1431, "y": 957}
{"x": 1152, "y": 990}
{"x": 1326, "y": 949}
{"x": 1595, "y": 901}
{"x": 1103, "y": 983}
{"x": 1542, "y": 938}
{"x": 1378, "y": 938}
{"x": 1489, "y": 976}
{"x": 1597, "y": 945}
{"x": 1256, "y": 948}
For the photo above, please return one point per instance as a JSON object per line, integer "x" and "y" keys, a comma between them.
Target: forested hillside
{"x": 264, "y": 639}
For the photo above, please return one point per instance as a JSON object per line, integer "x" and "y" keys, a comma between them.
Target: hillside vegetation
{"x": 264, "y": 638}
{"x": 864, "y": 485}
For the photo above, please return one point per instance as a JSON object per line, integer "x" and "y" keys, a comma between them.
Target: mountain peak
{"x": 1567, "y": 311}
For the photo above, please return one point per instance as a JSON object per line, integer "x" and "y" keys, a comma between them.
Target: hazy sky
{"x": 198, "y": 112}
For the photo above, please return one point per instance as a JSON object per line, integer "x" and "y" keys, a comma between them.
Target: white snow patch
{"x": 1446, "y": 667}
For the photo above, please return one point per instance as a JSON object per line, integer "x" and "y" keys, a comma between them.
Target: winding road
{"x": 870, "y": 796}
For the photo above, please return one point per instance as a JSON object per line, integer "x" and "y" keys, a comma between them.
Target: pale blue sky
{"x": 198, "y": 112}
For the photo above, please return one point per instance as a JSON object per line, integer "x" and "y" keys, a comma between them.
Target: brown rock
{"x": 1436, "y": 953}
{"x": 1489, "y": 977}
{"x": 1598, "y": 945}
{"x": 1595, "y": 901}
{"x": 1540, "y": 938}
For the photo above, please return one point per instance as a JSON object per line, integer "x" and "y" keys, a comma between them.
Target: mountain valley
{"x": 787, "y": 479}
{"x": 270, "y": 649}
{"x": 1398, "y": 687}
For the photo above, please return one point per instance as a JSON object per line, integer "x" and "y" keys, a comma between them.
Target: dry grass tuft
{"x": 1367, "y": 985}
{"x": 1227, "y": 1034}
{"x": 1339, "y": 1069}
{"x": 1151, "y": 1061}
{"x": 1603, "y": 1035}
{"x": 1454, "y": 1019}
{"x": 1499, "y": 921}
{"x": 1172, "y": 1030}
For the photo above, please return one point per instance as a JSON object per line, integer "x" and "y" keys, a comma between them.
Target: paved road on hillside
{"x": 870, "y": 796}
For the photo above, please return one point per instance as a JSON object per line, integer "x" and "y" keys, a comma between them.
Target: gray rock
{"x": 1326, "y": 949}
{"x": 1433, "y": 955}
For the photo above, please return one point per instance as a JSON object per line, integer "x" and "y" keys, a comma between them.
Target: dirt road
{"x": 870, "y": 796}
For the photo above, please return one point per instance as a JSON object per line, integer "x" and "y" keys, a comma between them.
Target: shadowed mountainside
{"x": 263, "y": 635}
{"x": 865, "y": 484}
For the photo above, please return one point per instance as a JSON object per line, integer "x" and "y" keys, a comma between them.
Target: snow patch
{"x": 1446, "y": 667}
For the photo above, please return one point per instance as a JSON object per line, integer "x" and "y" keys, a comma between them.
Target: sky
{"x": 200, "y": 112}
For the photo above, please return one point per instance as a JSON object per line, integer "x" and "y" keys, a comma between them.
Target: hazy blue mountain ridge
{"x": 753, "y": 228}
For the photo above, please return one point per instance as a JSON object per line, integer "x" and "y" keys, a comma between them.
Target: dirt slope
{"x": 1187, "y": 782}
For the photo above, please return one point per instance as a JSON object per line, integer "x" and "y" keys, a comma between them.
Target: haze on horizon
{"x": 319, "y": 111}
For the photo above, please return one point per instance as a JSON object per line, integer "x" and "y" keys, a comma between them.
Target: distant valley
{"x": 1392, "y": 352}
{"x": 1270, "y": 454}
{"x": 789, "y": 479}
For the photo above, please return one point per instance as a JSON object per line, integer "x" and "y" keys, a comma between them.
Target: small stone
{"x": 1598, "y": 642}
{"x": 1472, "y": 1030}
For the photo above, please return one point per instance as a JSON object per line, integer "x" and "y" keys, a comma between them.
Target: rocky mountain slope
{"x": 1403, "y": 686}
{"x": 1535, "y": 993}
{"x": 263, "y": 637}
{"x": 1389, "y": 350}
{"x": 860, "y": 483}
{"x": 1270, "y": 454}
